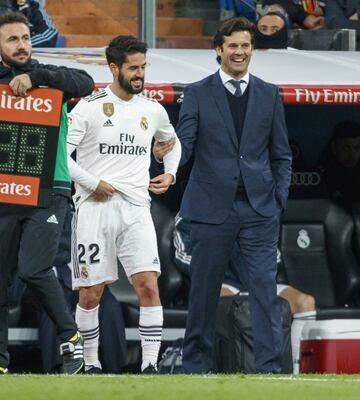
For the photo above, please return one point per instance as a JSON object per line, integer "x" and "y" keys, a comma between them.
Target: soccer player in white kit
{"x": 112, "y": 132}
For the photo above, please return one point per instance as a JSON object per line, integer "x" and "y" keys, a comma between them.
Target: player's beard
{"x": 126, "y": 84}
{"x": 13, "y": 63}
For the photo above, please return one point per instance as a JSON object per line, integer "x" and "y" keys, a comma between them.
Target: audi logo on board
{"x": 309, "y": 178}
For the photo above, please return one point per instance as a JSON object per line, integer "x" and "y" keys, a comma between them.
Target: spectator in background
{"x": 309, "y": 19}
{"x": 344, "y": 14}
{"x": 341, "y": 163}
{"x": 43, "y": 32}
{"x": 237, "y": 8}
{"x": 271, "y": 32}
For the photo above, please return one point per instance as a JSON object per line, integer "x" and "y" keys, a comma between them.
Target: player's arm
{"x": 166, "y": 132}
{"x": 160, "y": 149}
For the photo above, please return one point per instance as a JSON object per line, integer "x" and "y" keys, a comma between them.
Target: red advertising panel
{"x": 19, "y": 189}
{"x": 291, "y": 94}
{"x": 29, "y": 132}
{"x": 321, "y": 95}
{"x": 39, "y": 106}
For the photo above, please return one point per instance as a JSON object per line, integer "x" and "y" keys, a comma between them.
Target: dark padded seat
{"x": 324, "y": 39}
{"x": 316, "y": 245}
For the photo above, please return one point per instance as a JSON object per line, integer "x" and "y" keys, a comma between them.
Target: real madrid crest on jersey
{"x": 69, "y": 121}
{"x": 84, "y": 272}
{"x": 108, "y": 109}
{"x": 144, "y": 123}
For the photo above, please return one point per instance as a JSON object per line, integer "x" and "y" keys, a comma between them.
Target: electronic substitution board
{"x": 29, "y": 133}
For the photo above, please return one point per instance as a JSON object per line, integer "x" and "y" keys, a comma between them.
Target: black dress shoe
{"x": 150, "y": 369}
{"x": 93, "y": 371}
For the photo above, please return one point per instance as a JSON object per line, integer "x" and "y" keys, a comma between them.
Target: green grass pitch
{"x": 179, "y": 387}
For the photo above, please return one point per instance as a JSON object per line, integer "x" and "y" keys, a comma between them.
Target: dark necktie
{"x": 236, "y": 84}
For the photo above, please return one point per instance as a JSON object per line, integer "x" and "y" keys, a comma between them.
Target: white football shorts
{"x": 105, "y": 231}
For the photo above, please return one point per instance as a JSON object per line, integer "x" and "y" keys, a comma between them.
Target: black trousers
{"x": 113, "y": 350}
{"x": 212, "y": 246}
{"x": 29, "y": 239}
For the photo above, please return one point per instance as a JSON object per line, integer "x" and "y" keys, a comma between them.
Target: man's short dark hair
{"x": 13, "y": 17}
{"x": 346, "y": 129}
{"x": 229, "y": 26}
{"x": 123, "y": 46}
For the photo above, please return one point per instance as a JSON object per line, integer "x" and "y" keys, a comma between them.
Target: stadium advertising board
{"x": 29, "y": 132}
{"x": 291, "y": 94}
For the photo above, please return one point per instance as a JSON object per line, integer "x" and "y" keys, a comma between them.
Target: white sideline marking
{"x": 212, "y": 377}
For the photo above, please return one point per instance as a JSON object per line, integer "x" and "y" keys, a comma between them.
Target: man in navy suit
{"x": 234, "y": 125}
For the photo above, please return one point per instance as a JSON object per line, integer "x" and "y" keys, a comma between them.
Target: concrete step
{"x": 169, "y": 26}
{"x": 126, "y": 26}
{"x": 184, "y": 42}
{"x": 201, "y": 12}
{"x": 87, "y": 40}
{"x": 73, "y": 8}
{"x": 172, "y": 42}
{"x": 210, "y": 27}
{"x": 88, "y": 25}
{"x": 208, "y": 11}
{"x": 129, "y": 8}
{"x": 114, "y": 8}
{"x": 179, "y": 26}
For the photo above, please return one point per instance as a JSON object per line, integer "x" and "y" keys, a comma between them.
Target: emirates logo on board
{"x": 28, "y": 103}
{"x": 15, "y": 189}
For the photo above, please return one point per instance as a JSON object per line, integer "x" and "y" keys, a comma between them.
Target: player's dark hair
{"x": 122, "y": 46}
{"x": 229, "y": 26}
{"x": 13, "y": 17}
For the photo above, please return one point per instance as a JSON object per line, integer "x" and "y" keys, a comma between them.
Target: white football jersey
{"x": 113, "y": 141}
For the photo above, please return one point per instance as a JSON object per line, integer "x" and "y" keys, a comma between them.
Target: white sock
{"x": 299, "y": 321}
{"x": 88, "y": 324}
{"x": 150, "y": 329}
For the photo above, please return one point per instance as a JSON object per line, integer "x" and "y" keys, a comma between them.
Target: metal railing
{"x": 147, "y": 22}
{"x": 326, "y": 39}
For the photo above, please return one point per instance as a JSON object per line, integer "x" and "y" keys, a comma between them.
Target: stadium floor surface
{"x": 199, "y": 387}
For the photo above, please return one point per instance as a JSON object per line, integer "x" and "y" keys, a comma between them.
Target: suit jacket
{"x": 263, "y": 157}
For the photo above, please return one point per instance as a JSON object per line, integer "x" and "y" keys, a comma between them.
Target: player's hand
{"x": 21, "y": 84}
{"x": 103, "y": 191}
{"x": 160, "y": 149}
{"x": 314, "y": 22}
{"x": 160, "y": 184}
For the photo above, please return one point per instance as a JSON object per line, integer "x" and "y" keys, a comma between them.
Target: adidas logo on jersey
{"x": 52, "y": 219}
{"x": 108, "y": 123}
{"x": 155, "y": 261}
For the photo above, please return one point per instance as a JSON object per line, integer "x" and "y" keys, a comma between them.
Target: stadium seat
{"x": 316, "y": 246}
{"x": 324, "y": 39}
{"x": 356, "y": 215}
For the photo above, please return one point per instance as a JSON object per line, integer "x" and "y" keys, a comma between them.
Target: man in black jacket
{"x": 29, "y": 236}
